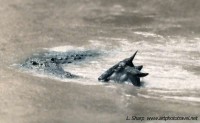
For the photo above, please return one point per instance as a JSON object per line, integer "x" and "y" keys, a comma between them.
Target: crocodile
{"x": 124, "y": 71}
{"x": 52, "y": 62}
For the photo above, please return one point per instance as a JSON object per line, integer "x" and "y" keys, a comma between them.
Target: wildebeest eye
{"x": 122, "y": 64}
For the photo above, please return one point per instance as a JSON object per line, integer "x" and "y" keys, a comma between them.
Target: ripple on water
{"x": 171, "y": 62}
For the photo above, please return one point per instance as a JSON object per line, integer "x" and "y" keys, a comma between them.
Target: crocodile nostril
{"x": 77, "y": 58}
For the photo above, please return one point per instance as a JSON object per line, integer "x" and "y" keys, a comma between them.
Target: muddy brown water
{"x": 165, "y": 33}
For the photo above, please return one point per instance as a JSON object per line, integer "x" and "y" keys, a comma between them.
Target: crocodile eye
{"x": 53, "y": 59}
{"x": 34, "y": 63}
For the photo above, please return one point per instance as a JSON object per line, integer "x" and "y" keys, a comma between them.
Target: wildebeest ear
{"x": 140, "y": 74}
{"x": 139, "y": 67}
{"x": 135, "y": 72}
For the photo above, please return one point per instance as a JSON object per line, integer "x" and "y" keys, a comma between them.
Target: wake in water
{"x": 166, "y": 59}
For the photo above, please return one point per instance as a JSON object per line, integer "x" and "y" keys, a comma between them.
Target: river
{"x": 165, "y": 33}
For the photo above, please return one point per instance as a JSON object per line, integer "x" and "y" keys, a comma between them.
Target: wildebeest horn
{"x": 132, "y": 57}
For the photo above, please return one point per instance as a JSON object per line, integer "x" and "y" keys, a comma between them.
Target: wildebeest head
{"x": 124, "y": 71}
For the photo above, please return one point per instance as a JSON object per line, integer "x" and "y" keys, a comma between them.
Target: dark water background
{"x": 166, "y": 33}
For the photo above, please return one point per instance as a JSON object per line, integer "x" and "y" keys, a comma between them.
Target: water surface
{"x": 166, "y": 33}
